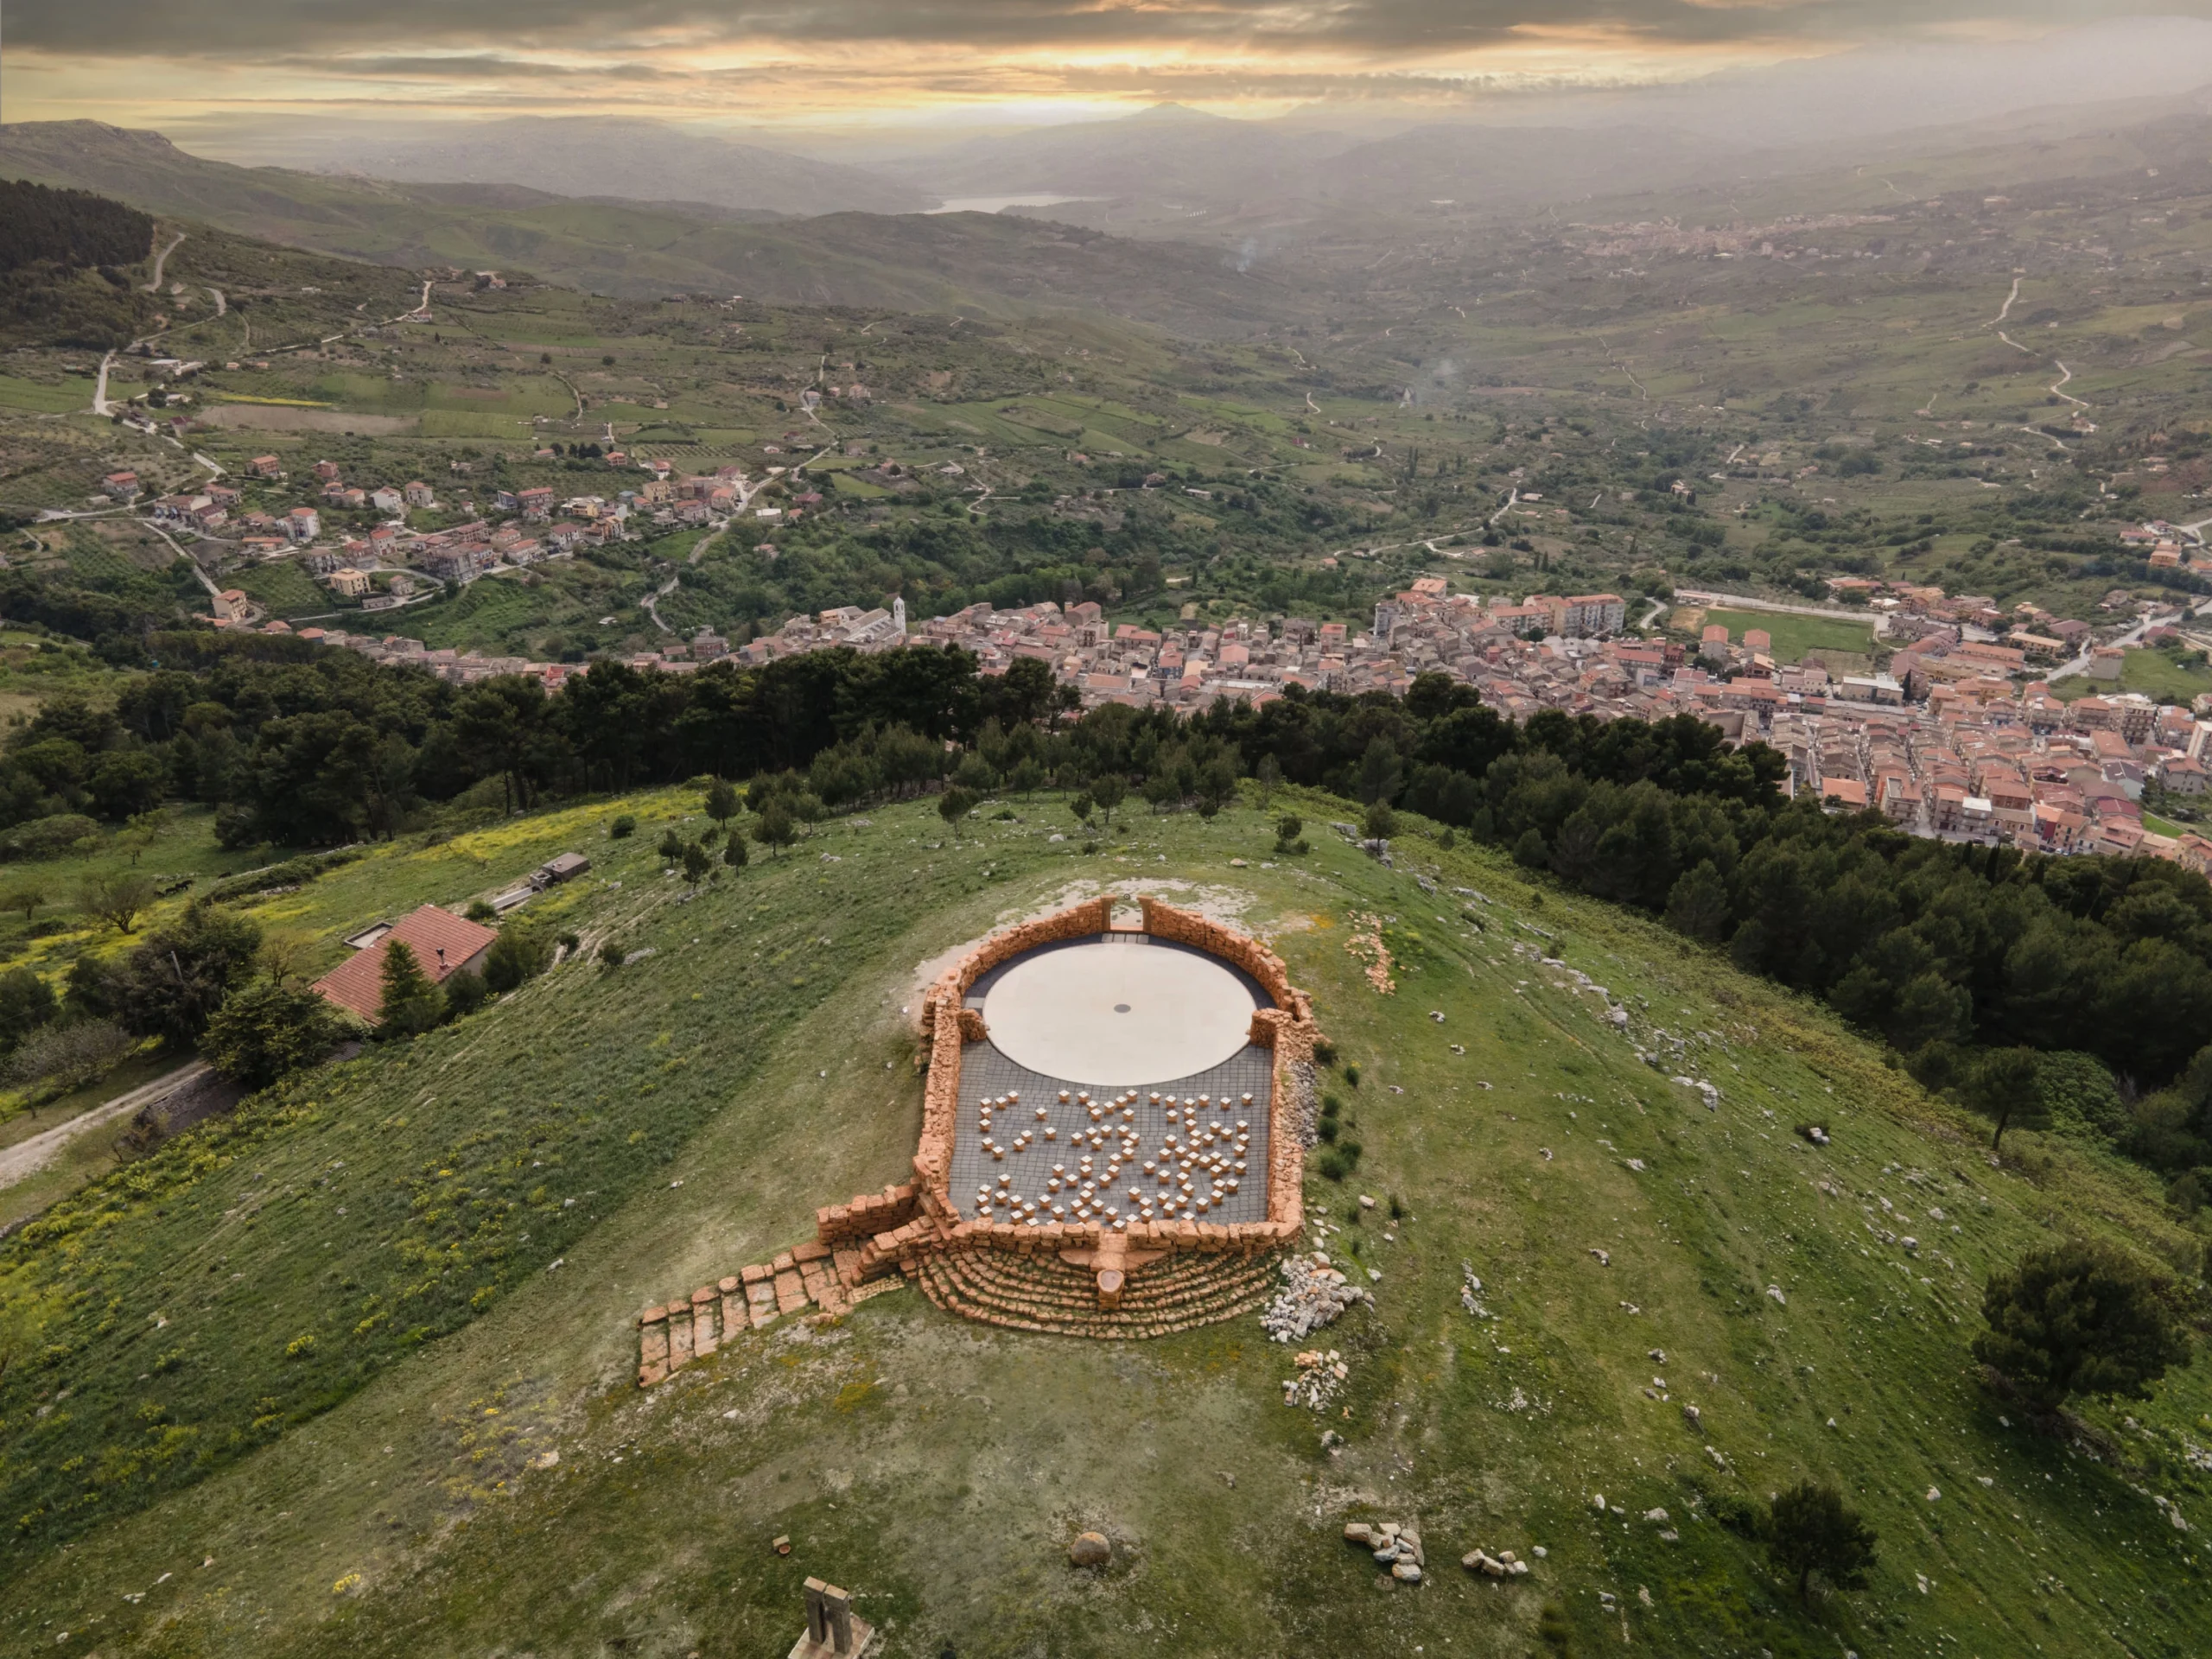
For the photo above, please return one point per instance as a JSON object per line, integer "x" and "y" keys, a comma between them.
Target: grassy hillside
{"x": 464, "y": 1226}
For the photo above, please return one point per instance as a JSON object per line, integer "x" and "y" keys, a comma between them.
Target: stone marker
{"x": 1090, "y": 1549}
{"x": 831, "y": 1628}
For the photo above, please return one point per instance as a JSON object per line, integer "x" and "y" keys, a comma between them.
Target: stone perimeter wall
{"x": 860, "y": 1241}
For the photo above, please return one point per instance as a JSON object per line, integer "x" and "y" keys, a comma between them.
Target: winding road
{"x": 160, "y": 259}
{"x": 26, "y": 1157}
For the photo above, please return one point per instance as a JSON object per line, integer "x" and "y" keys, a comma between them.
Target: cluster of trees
{"x": 70, "y": 228}
{"x": 60, "y": 257}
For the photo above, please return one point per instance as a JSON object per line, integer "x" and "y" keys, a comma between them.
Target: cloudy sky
{"x": 173, "y": 62}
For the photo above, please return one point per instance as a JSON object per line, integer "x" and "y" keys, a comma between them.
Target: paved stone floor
{"x": 1111, "y": 1156}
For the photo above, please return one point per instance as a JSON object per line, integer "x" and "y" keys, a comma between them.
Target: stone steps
{"x": 1047, "y": 1294}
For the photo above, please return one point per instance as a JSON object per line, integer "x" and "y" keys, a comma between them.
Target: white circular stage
{"x": 1118, "y": 1013}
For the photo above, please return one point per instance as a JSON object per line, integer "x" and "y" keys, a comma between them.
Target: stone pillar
{"x": 832, "y": 1629}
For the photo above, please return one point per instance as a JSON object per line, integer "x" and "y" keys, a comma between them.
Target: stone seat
{"x": 1047, "y": 1294}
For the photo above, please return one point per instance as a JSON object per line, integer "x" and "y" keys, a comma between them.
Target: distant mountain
{"x": 633, "y": 160}
{"x": 1164, "y": 153}
{"x": 988, "y": 264}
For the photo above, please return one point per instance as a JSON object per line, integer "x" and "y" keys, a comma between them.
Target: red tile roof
{"x": 357, "y": 984}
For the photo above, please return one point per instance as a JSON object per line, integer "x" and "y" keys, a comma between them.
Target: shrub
{"x": 25, "y": 1003}
{"x": 47, "y": 837}
{"x": 119, "y": 900}
{"x": 2080, "y": 1096}
{"x": 2080, "y": 1319}
{"x": 479, "y": 910}
{"x": 955, "y": 803}
{"x": 1810, "y": 1529}
{"x": 518, "y": 955}
{"x": 623, "y": 827}
{"x": 1351, "y": 1074}
{"x": 697, "y": 863}
{"x": 68, "y": 1057}
{"x": 1331, "y": 1166}
{"x": 671, "y": 845}
{"x": 266, "y": 1030}
{"x": 464, "y": 993}
{"x": 612, "y": 955}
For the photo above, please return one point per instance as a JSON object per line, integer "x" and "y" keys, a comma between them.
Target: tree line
{"x": 1949, "y": 952}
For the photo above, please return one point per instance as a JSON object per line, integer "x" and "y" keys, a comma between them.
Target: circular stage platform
{"x": 1118, "y": 1011}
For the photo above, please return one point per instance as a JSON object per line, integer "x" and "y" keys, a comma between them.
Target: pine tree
{"x": 412, "y": 1003}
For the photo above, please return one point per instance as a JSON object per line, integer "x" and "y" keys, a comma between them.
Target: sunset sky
{"x": 136, "y": 63}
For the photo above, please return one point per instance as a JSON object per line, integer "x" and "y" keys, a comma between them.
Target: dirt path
{"x": 27, "y": 1158}
{"x": 160, "y": 259}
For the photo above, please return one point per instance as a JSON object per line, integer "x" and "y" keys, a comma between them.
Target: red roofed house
{"x": 443, "y": 944}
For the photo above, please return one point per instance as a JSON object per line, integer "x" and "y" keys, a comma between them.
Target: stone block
{"x": 758, "y": 1274}
{"x": 784, "y": 1263}
{"x": 809, "y": 1252}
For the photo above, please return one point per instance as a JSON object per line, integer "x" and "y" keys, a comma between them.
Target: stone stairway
{"x": 1046, "y": 1294}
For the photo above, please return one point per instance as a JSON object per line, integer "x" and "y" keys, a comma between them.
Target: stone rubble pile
{"x": 1503, "y": 1565}
{"x": 1396, "y": 1547}
{"x": 1471, "y": 1291}
{"x": 1313, "y": 1294}
{"x": 1320, "y": 1375}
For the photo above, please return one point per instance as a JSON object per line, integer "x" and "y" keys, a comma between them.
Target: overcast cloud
{"x": 691, "y": 56}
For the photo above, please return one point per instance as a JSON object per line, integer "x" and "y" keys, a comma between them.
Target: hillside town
{"x": 1959, "y": 735}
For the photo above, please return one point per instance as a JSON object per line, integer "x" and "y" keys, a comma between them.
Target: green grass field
{"x": 465, "y": 1225}
{"x": 1793, "y": 636}
{"x": 2166, "y": 675}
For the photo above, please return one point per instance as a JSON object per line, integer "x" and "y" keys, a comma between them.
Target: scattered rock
{"x": 1405, "y": 1572}
{"x": 1691, "y": 1414}
{"x": 1090, "y": 1549}
{"x": 1470, "y": 1291}
{"x": 1657, "y": 1516}
{"x": 1605, "y": 1258}
{"x": 1775, "y": 1291}
{"x": 1313, "y": 1294}
{"x": 1318, "y": 1377}
{"x": 1366, "y": 1202}
{"x": 1934, "y": 1493}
